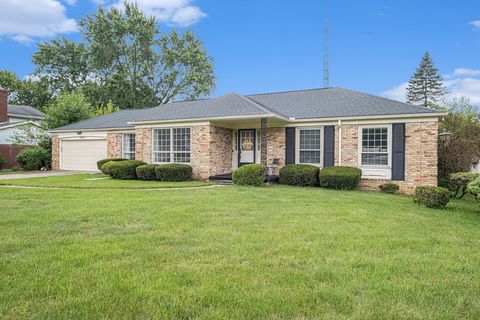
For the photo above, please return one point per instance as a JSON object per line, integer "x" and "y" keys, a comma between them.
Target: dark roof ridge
{"x": 257, "y": 105}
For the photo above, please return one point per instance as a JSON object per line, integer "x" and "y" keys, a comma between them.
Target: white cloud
{"x": 462, "y": 82}
{"x": 475, "y": 24}
{"x": 26, "y": 21}
{"x": 174, "y": 12}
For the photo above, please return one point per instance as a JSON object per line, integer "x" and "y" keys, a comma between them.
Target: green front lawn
{"x": 272, "y": 253}
{"x": 98, "y": 181}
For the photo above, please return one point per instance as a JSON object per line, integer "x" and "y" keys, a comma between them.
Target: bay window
{"x": 128, "y": 146}
{"x": 171, "y": 145}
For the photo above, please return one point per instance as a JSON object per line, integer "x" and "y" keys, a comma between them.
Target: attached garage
{"x": 82, "y": 154}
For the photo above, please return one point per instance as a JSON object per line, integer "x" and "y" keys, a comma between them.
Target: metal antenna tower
{"x": 326, "y": 68}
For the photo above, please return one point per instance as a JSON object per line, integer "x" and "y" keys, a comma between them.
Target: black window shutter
{"x": 329, "y": 146}
{"x": 289, "y": 145}
{"x": 398, "y": 151}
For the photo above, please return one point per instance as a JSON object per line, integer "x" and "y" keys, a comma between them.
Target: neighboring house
{"x": 12, "y": 118}
{"x": 388, "y": 140}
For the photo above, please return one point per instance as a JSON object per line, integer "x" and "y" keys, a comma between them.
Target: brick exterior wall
{"x": 421, "y": 141}
{"x": 220, "y": 150}
{"x": 55, "y": 152}
{"x": 143, "y": 144}
{"x": 276, "y": 146}
{"x": 9, "y": 153}
{"x": 114, "y": 145}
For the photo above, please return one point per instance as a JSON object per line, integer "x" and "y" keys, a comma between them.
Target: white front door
{"x": 246, "y": 146}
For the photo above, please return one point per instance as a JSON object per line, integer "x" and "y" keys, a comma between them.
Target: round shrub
{"x": 174, "y": 172}
{"x": 100, "y": 163}
{"x": 299, "y": 175}
{"x": 389, "y": 188}
{"x": 34, "y": 158}
{"x": 122, "y": 170}
{"x": 2, "y": 161}
{"x": 474, "y": 188}
{"x": 460, "y": 181}
{"x": 344, "y": 178}
{"x": 250, "y": 175}
{"x": 432, "y": 197}
{"x": 147, "y": 172}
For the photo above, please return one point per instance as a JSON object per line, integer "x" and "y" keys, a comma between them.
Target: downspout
{"x": 339, "y": 142}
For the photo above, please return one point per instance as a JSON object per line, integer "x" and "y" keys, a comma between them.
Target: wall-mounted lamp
{"x": 445, "y": 136}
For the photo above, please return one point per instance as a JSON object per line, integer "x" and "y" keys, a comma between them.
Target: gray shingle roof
{"x": 304, "y": 104}
{"x": 332, "y": 103}
{"x": 25, "y": 111}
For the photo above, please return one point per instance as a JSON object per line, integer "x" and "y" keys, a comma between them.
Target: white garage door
{"x": 82, "y": 154}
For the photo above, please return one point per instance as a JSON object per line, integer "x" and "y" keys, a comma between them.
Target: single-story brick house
{"x": 388, "y": 140}
{"x": 12, "y": 119}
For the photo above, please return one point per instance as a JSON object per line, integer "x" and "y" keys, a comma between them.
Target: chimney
{"x": 3, "y": 105}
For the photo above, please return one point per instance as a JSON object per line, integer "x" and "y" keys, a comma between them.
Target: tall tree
{"x": 123, "y": 57}
{"x": 426, "y": 85}
{"x": 63, "y": 63}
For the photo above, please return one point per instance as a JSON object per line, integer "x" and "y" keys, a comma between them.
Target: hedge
{"x": 2, "y": 161}
{"x": 389, "y": 188}
{"x": 299, "y": 175}
{"x": 250, "y": 175}
{"x": 100, "y": 163}
{"x": 147, "y": 172}
{"x": 34, "y": 158}
{"x": 174, "y": 172}
{"x": 344, "y": 178}
{"x": 432, "y": 197}
{"x": 460, "y": 181}
{"x": 122, "y": 170}
{"x": 474, "y": 188}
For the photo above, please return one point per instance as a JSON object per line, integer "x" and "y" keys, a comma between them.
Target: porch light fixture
{"x": 445, "y": 136}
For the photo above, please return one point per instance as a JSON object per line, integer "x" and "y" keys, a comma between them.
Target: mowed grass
{"x": 236, "y": 253}
{"x": 98, "y": 181}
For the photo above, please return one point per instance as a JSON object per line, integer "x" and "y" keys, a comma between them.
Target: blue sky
{"x": 264, "y": 46}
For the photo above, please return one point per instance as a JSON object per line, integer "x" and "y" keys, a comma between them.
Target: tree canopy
{"x": 124, "y": 57}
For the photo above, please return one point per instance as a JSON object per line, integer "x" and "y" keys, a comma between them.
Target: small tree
{"x": 426, "y": 85}
{"x": 68, "y": 108}
{"x": 463, "y": 122}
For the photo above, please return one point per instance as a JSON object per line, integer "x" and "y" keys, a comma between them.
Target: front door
{"x": 246, "y": 146}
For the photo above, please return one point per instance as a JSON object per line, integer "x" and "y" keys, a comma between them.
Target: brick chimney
{"x": 3, "y": 105}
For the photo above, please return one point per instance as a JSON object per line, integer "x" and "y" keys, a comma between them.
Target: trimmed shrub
{"x": 460, "y": 181}
{"x": 2, "y": 161}
{"x": 250, "y": 175}
{"x": 474, "y": 188}
{"x": 174, "y": 172}
{"x": 34, "y": 158}
{"x": 147, "y": 172}
{"x": 432, "y": 197}
{"x": 122, "y": 170}
{"x": 344, "y": 178}
{"x": 389, "y": 188}
{"x": 100, "y": 163}
{"x": 299, "y": 175}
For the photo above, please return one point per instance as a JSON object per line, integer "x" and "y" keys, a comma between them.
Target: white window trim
{"x": 134, "y": 144}
{"x": 171, "y": 145}
{"x": 297, "y": 145}
{"x": 370, "y": 171}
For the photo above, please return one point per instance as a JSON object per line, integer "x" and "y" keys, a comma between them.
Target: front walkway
{"x": 39, "y": 174}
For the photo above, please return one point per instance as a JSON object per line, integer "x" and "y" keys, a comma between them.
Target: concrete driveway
{"x": 38, "y": 174}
